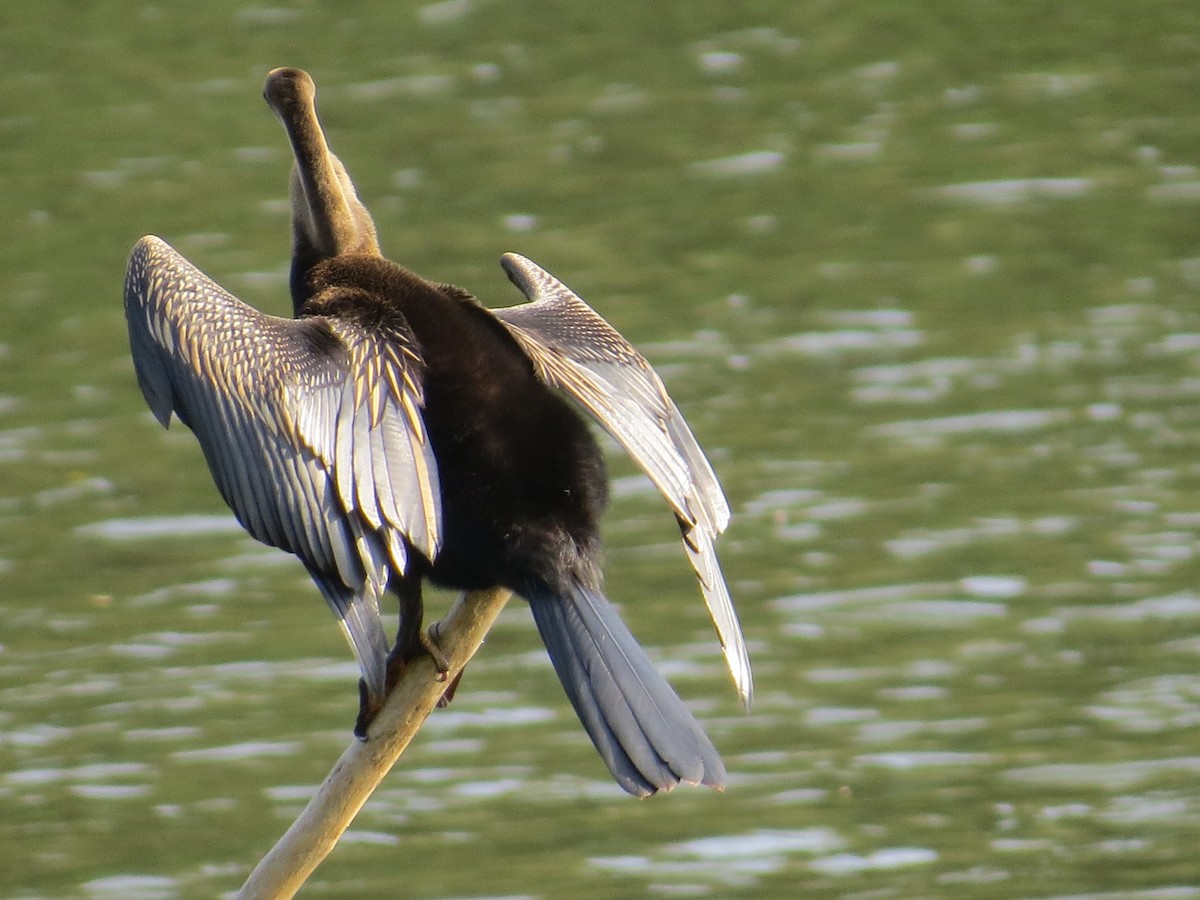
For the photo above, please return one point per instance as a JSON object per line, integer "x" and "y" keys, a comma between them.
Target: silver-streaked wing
{"x": 311, "y": 428}
{"x": 577, "y": 351}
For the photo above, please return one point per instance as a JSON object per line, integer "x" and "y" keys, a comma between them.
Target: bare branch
{"x": 364, "y": 764}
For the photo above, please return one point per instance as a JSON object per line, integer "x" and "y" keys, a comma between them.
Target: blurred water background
{"x": 923, "y": 277}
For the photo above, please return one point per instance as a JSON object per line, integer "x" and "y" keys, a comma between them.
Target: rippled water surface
{"x": 925, "y": 281}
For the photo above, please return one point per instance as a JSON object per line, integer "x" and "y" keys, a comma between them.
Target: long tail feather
{"x": 643, "y": 731}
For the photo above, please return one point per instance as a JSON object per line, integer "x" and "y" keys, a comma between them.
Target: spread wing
{"x": 577, "y": 351}
{"x": 311, "y": 427}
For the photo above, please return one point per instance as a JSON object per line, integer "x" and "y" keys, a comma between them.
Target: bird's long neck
{"x": 328, "y": 219}
{"x": 334, "y": 219}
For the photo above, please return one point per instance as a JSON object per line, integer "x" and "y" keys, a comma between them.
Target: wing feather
{"x": 311, "y": 429}
{"x": 577, "y": 351}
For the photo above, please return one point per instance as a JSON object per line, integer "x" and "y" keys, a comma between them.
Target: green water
{"x": 923, "y": 278}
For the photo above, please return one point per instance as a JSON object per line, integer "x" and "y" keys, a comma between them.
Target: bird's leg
{"x": 411, "y": 641}
{"x": 411, "y": 638}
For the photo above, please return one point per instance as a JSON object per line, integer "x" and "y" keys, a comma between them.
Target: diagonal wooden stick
{"x": 364, "y": 764}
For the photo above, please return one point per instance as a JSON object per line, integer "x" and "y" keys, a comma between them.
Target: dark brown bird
{"x": 396, "y": 430}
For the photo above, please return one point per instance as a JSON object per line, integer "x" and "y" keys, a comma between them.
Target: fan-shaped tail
{"x": 641, "y": 728}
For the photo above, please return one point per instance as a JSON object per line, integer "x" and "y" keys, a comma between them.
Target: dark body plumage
{"x": 522, "y": 479}
{"x": 523, "y": 486}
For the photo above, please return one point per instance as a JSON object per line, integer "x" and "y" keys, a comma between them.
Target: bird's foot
{"x": 431, "y": 642}
{"x": 407, "y": 648}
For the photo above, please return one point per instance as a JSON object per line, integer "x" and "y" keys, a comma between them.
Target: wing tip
{"x": 151, "y": 253}
{"x": 520, "y": 271}
{"x": 701, "y": 553}
{"x": 149, "y": 245}
{"x": 743, "y": 681}
{"x": 737, "y": 661}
